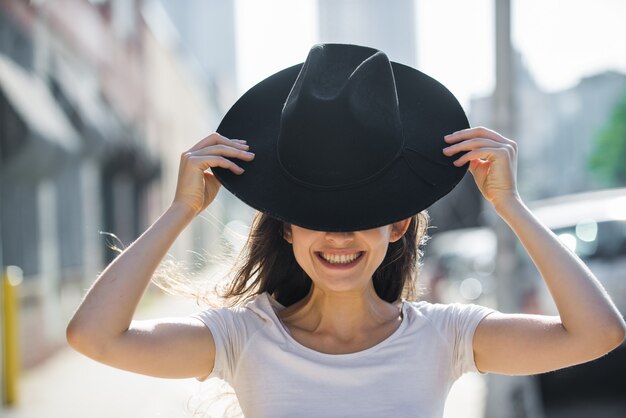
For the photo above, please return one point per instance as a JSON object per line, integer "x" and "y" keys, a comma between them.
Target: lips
{"x": 343, "y": 259}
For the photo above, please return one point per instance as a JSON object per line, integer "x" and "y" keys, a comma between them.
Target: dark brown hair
{"x": 267, "y": 264}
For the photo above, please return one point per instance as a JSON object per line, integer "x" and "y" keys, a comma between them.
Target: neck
{"x": 342, "y": 314}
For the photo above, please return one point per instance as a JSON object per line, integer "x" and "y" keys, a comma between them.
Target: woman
{"x": 349, "y": 150}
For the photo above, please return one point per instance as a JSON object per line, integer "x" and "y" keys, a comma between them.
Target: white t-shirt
{"x": 408, "y": 374}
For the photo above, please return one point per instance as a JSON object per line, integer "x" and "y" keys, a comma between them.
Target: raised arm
{"x": 588, "y": 325}
{"x": 103, "y": 327}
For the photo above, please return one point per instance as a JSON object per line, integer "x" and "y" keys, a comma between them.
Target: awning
{"x": 49, "y": 139}
{"x": 32, "y": 100}
{"x": 81, "y": 89}
{"x": 105, "y": 135}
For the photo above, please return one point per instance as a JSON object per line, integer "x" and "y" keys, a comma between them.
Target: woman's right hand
{"x": 197, "y": 187}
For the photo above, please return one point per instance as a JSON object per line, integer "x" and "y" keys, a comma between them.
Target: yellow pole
{"x": 11, "y": 280}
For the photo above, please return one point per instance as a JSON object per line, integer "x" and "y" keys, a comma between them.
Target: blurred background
{"x": 98, "y": 99}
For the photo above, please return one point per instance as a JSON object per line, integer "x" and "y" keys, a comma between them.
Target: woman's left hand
{"x": 492, "y": 158}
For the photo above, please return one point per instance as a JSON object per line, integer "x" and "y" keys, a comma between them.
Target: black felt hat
{"x": 345, "y": 141}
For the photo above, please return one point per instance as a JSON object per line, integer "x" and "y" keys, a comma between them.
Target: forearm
{"x": 109, "y": 305}
{"x": 584, "y": 307}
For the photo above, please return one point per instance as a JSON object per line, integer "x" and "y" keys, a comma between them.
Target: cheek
{"x": 379, "y": 238}
{"x": 302, "y": 256}
{"x": 379, "y": 255}
{"x": 380, "y": 250}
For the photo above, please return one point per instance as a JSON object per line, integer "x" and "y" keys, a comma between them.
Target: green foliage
{"x": 608, "y": 158}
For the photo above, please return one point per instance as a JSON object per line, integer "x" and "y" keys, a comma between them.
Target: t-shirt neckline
{"x": 274, "y": 304}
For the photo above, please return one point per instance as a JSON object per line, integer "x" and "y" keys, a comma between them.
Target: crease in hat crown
{"x": 340, "y": 125}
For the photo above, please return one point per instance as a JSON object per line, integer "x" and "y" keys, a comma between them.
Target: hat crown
{"x": 343, "y": 142}
{"x": 340, "y": 125}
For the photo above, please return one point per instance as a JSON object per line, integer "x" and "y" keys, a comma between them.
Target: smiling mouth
{"x": 340, "y": 259}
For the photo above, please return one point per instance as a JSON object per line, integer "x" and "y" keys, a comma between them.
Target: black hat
{"x": 345, "y": 141}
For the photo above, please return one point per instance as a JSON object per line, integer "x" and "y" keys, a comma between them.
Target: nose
{"x": 339, "y": 238}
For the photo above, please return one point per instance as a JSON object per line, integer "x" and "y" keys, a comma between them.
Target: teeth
{"x": 340, "y": 259}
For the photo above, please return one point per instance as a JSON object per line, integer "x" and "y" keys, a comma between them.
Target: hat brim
{"x": 428, "y": 112}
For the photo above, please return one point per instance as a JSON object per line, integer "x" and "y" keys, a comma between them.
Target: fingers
{"x": 215, "y": 151}
{"x": 468, "y": 145}
{"x": 214, "y": 161}
{"x": 215, "y": 139}
{"x": 224, "y": 151}
{"x": 476, "y": 139}
{"x": 472, "y": 144}
{"x": 486, "y": 154}
{"x": 478, "y": 132}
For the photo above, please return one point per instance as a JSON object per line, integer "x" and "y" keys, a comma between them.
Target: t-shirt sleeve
{"x": 230, "y": 329}
{"x": 468, "y": 319}
{"x": 458, "y": 322}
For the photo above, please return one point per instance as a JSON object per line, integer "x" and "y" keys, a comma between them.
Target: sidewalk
{"x": 70, "y": 385}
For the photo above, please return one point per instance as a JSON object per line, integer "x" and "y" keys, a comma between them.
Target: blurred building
{"x": 207, "y": 30}
{"x": 556, "y": 130}
{"x": 385, "y": 25}
{"x": 97, "y": 102}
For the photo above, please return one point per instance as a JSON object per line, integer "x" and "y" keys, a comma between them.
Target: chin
{"x": 341, "y": 285}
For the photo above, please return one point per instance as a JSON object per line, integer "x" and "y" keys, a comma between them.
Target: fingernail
{"x": 249, "y": 153}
